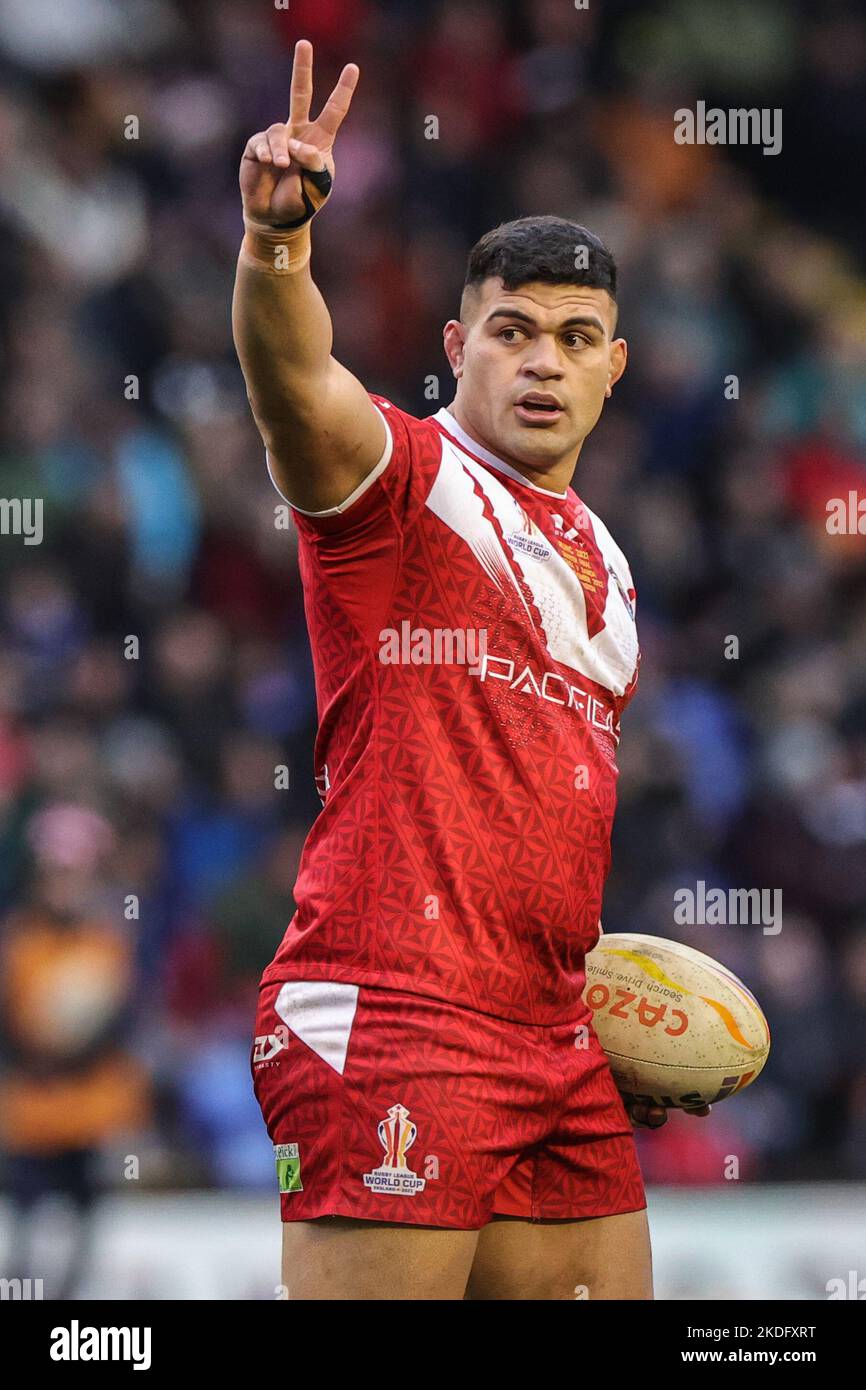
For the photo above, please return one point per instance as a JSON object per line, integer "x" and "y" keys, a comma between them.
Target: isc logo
{"x": 267, "y": 1045}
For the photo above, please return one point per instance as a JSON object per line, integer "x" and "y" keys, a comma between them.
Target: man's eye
{"x": 576, "y": 340}
{"x": 518, "y": 331}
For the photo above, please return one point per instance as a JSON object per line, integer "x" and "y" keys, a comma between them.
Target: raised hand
{"x": 270, "y": 174}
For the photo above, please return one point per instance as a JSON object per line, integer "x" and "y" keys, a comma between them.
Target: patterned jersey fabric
{"x": 474, "y": 646}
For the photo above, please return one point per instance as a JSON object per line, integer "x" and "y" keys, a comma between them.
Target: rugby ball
{"x": 679, "y": 1030}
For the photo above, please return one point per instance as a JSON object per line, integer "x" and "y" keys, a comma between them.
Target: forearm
{"x": 282, "y": 331}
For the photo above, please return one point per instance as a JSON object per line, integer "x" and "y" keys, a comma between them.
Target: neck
{"x": 555, "y": 480}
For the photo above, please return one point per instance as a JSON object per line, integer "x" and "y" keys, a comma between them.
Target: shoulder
{"x": 396, "y": 488}
{"x": 414, "y": 447}
{"x": 401, "y": 420}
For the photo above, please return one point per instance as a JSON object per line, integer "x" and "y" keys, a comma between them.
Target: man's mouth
{"x": 538, "y": 408}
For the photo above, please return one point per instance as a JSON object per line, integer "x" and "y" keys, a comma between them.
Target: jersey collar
{"x": 449, "y": 424}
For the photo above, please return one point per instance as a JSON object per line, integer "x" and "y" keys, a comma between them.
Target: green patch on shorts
{"x": 288, "y": 1167}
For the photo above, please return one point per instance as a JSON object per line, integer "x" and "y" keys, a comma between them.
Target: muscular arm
{"x": 322, "y": 432}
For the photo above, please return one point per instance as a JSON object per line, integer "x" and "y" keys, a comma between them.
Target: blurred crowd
{"x": 154, "y": 666}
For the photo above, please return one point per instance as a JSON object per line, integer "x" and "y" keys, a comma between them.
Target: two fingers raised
{"x": 334, "y": 111}
{"x": 277, "y": 145}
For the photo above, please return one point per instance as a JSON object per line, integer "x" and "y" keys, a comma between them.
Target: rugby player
{"x": 444, "y": 1119}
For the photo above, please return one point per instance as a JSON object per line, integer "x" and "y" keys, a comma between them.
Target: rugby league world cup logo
{"x": 396, "y": 1135}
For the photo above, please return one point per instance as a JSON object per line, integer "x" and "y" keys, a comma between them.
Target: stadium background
{"x": 126, "y": 1029}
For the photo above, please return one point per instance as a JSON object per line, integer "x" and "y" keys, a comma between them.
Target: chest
{"x": 565, "y": 578}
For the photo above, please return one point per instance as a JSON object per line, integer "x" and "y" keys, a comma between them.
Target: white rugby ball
{"x": 679, "y": 1030}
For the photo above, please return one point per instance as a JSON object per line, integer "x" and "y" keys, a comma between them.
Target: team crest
{"x": 396, "y": 1135}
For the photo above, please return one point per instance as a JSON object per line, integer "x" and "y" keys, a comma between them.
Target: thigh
{"x": 605, "y": 1257}
{"x": 338, "y": 1258}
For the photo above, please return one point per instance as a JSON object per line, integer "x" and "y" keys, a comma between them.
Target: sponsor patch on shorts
{"x": 288, "y": 1167}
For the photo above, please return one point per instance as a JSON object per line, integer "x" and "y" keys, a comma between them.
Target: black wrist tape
{"x": 322, "y": 185}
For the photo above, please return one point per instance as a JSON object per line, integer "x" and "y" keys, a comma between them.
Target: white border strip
{"x": 362, "y": 486}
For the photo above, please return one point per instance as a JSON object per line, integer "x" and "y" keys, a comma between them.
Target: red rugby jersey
{"x": 474, "y": 645}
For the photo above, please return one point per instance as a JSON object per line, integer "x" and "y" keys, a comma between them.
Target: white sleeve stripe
{"x": 362, "y": 487}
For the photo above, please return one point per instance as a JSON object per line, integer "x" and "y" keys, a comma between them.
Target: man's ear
{"x": 618, "y": 360}
{"x": 454, "y": 338}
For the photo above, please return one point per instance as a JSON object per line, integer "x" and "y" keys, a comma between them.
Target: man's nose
{"x": 543, "y": 361}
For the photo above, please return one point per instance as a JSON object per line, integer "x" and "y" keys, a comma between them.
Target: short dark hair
{"x": 545, "y": 249}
